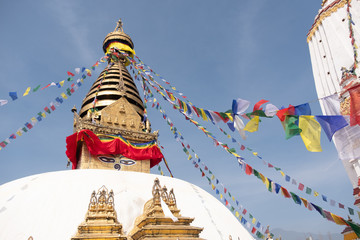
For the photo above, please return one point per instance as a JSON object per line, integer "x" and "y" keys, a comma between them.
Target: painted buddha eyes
{"x": 113, "y": 160}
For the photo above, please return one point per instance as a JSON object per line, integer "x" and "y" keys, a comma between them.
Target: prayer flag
{"x": 28, "y": 125}
{"x": 270, "y": 110}
{"x": 351, "y": 211}
{"x": 310, "y": 133}
{"x": 290, "y": 126}
{"x": 324, "y": 198}
{"x": 308, "y": 190}
{"x": 13, "y": 95}
{"x": 301, "y": 186}
{"x": 36, "y": 88}
{"x": 319, "y": 209}
{"x": 258, "y": 104}
{"x": 12, "y": 136}
{"x": 248, "y": 169}
{"x": 303, "y": 109}
{"x": 338, "y": 220}
{"x": 331, "y": 124}
{"x": 27, "y": 91}
{"x": 70, "y": 74}
{"x": 46, "y": 109}
{"x": 287, "y": 178}
{"x": 3, "y": 102}
{"x": 354, "y": 227}
{"x": 285, "y": 192}
{"x": 295, "y": 198}
{"x": 285, "y": 111}
{"x": 64, "y": 95}
{"x": 253, "y": 124}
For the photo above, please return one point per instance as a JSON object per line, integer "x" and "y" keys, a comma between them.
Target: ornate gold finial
{"x": 172, "y": 199}
{"x": 30, "y": 238}
{"x": 119, "y": 26}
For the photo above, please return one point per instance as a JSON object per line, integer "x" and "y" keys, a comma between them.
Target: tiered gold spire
{"x": 114, "y": 82}
{"x": 113, "y": 107}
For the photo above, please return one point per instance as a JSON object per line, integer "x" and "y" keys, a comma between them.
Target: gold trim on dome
{"x": 332, "y": 8}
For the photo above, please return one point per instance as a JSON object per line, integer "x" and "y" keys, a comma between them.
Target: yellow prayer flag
{"x": 221, "y": 196}
{"x": 240, "y": 217}
{"x": 212, "y": 186}
{"x": 338, "y": 220}
{"x": 253, "y": 221}
{"x": 316, "y": 194}
{"x": 162, "y": 173}
{"x": 154, "y": 100}
{"x": 185, "y": 106}
{"x": 237, "y": 214}
{"x": 230, "y": 116}
{"x": 282, "y": 173}
{"x": 305, "y": 202}
{"x": 228, "y": 136}
{"x": 253, "y": 124}
{"x": 173, "y": 88}
{"x": 233, "y": 198}
{"x": 255, "y": 153}
{"x": 172, "y": 97}
{"x": 310, "y": 134}
{"x": 62, "y": 82}
{"x": 64, "y": 95}
{"x": 212, "y": 177}
{"x": 203, "y": 114}
{"x": 27, "y": 91}
{"x": 43, "y": 115}
{"x": 19, "y": 133}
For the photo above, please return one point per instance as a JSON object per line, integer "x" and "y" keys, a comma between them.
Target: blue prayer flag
{"x": 331, "y": 124}
{"x": 13, "y": 95}
{"x": 287, "y": 178}
{"x": 303, "y": 109}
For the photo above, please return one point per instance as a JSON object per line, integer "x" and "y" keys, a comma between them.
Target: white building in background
{"x": 333, "y": 40}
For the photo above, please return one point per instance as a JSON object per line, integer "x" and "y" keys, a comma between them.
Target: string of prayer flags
{"x": 14, "y": 95}
{"x": 203, "y": 174}
{"x": 304, "y": 108}
{"x": 40, "y": 115}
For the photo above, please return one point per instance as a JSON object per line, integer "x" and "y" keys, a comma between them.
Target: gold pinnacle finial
{"x": 119, "y": 26}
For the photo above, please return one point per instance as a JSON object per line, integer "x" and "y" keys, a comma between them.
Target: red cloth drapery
{"x": 116, "y": 146}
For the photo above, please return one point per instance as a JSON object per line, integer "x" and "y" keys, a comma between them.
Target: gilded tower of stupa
{"x": 113, "y": 109}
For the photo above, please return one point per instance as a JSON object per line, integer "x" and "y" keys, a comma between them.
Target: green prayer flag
{"x": 256, "y": 173}
{"x": 37, "y": 88}
{"x": 232, "y": 208}
{"x": 232, "y": 150}
{"x": 277, "y": 169}
{"x": 354, "y": 227}
{"x": 351, "y": 211}
{"x": 308, "y": 190}
{"x": 250, "y": 216}
{"x": 290, "y": 126}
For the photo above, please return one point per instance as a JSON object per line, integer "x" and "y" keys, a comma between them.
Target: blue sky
{"x": 212, "y": 51}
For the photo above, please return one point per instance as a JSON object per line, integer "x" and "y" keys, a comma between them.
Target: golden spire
{"x": 115, "y": 81}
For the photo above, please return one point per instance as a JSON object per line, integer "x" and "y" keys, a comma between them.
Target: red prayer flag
{"x": 355, "y": 105}
{"x": 242, "y": 147}
{"x": 70, "y": 74}
{"x": 258, "y": 104}
{"x": 253, "y": 230}
{"x": 248, "y": 169}
{"x": 341, "y": 206}
{"x": 226, "y": 203}
{"x": 285, "y": 192}
{"x": 301, "y": 186}
{"x": 202, "y": 174}
{"x": 195, "y": 110}
{"x": 225, "y": 190}
{"x": 244, "y": 211}
{"x": 286, "y": 111}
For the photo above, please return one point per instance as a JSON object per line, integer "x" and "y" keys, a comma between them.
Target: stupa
{"x": 111, "y": 194}
{"x": 333, "y": 40}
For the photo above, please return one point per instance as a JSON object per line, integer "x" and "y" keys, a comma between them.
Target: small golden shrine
{"x": 153, "y": 224}
{"x": 101, "y": 220}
